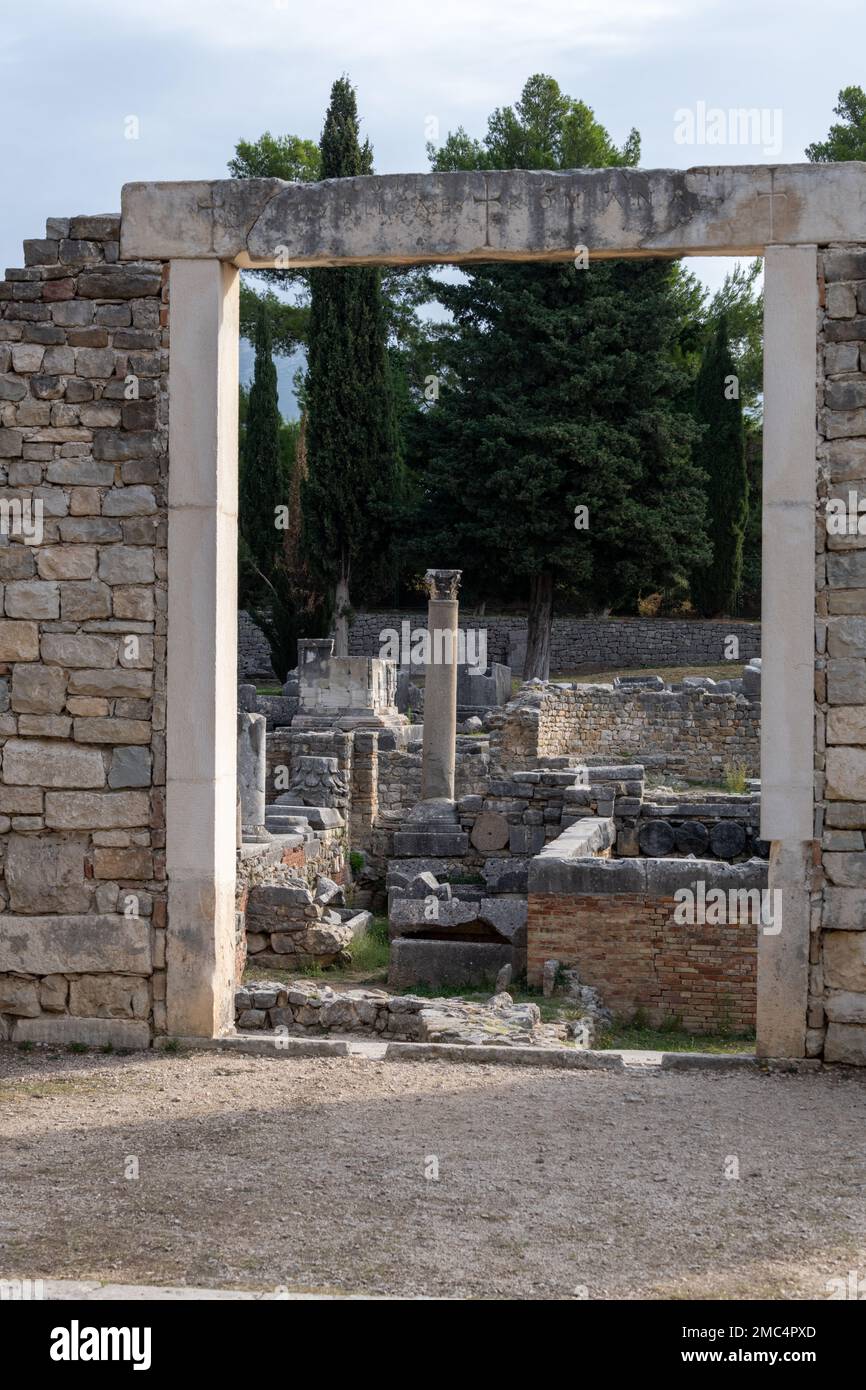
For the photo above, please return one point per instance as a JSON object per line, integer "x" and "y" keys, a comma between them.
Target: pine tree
{"x": 560, "y": 389}
{"x": 721, "y": 454}
{"x": 349, "y": 492}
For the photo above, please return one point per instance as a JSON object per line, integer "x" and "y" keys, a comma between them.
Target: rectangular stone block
{"x": 19, "y": 641}
{"x": 845, "y": 960}
{"x": 58, "y": 1029}
{"x": 39, "y": 763}
{"x": 109, "y": 996}
{"x": 123, "y": 863}
{"x": 67, "y": 562}
{"x": 45, "y": 873}
{"x": 112, "y": 730}
{"x": 120, "y": 810}
{"x": 79, "y": 650}
{"x": 846, "y": 774}
{"x": 31, "y": 598}
{"x": 38, "y": 689}
{"x": 118, "y": 683}
{"x": 70, "y": 945}
{"x": 846, "y": 1043}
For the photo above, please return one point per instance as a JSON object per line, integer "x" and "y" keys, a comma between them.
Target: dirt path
{"x": 309, "y": 1174}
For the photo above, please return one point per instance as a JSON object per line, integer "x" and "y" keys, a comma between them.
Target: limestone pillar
{"x": 251, "y": 772}
{"x": 440, "y": 686}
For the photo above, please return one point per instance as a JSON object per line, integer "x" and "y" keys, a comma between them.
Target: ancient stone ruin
{"x": 118, "y": 638}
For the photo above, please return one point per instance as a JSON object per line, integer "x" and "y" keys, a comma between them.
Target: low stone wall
{"x": 692, "y": 731}
{"x": 254, "y": 653}
{"x": 613, "y": 920}
{"x": 578, "y": 642}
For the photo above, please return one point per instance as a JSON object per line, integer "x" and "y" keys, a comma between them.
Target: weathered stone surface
{"x": 54, "y": 993}
{"x": 692, "y": 837}
{"x": 130, "y": 767}
{"x": 109, "y": 996}
{"x": 20, "y": 997}
{"x": 96, "y": 811}
{"x": 35, "y": 763}
{"x": 845, "y": 960}
{"x": 846, "y": 774}
{"x": 490, "y": 832}
{"x": 80, "y": 601}
{"x": 79, "y": 649}
{"x": 123, "y": 863}
{"x": 31, "y": 598}
{"x": 846, "y": 870}
{"x": 95, "y": 1032}
{"x": 727, "y": 839}
{"x": 846, "y": 1043}
{"x": 845, "y": 908}
{"x": 656, "y": 837}
{"x": 66, "y": 562}
{"x": 46, "y": 874}
{"x": 843, "y": 1006}
{"x": 119, "y": 282}
{"x": 19, "y": 641}
{"x": 121, "y": 564}
{"x": 461, "y": 216}
{"x": 38, "y": 689}
{"x": 112, "y": 731}
{"x": 74, "y": 944}
{"x": 116, "y": 683}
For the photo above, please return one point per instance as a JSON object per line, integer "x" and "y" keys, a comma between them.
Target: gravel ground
{"x": 310, "y": 1174}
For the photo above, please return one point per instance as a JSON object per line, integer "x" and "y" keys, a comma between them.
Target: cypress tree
{"x": 262, "y": 484}
{"x": 349, "y": 492}
{"x": 721, "y": 454}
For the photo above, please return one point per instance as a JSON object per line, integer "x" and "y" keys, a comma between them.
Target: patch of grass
{"x": 269, "y": 690}
{"x": 25, "y": 1046}
{"x": 734, "y": 778}
{"x": 77, "y": 1047}
{"x": 371, "y": 951}
{"x": 356, "y": 861}
{"x": 669, "y": 1039}
{"x": 172, "y": 1045}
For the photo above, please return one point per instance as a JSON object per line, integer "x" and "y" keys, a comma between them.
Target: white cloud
{"x": 414, "y": 29}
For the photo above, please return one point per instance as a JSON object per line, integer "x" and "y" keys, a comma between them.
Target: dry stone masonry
{"x": 83, "y": 457}
{"x": 89, "y": 602}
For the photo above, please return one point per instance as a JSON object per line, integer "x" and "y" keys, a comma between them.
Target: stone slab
{"x": 396, "y": 219}
{"x": 75, "y": 945}
{"x": 94, "y": 1032}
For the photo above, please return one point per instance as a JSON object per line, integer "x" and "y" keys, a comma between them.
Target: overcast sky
{"x": 199, "y": 74}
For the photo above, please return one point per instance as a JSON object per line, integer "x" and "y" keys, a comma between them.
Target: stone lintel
{"x": 399, "y": 219}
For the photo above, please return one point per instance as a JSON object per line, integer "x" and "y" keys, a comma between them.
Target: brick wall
{"x": 627, "y": 946}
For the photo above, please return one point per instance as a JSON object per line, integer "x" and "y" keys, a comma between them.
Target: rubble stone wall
{"x": 837, "y": 986}
{"x": 693, "y": 731}
{"x": 83, "y": 441}
{"x": 575, "y": 642}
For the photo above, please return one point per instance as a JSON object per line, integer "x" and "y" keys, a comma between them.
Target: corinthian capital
{"x": 442, "y": 583}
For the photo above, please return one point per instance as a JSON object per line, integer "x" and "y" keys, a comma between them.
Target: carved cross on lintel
{"x": 772, "y": 193}
{"x": 487, "y": 200}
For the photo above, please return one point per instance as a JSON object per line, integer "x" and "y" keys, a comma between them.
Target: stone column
{"x": 201, "y": 733}
{"x": 440, "y": 686}
{"x": 252, "y": 772}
